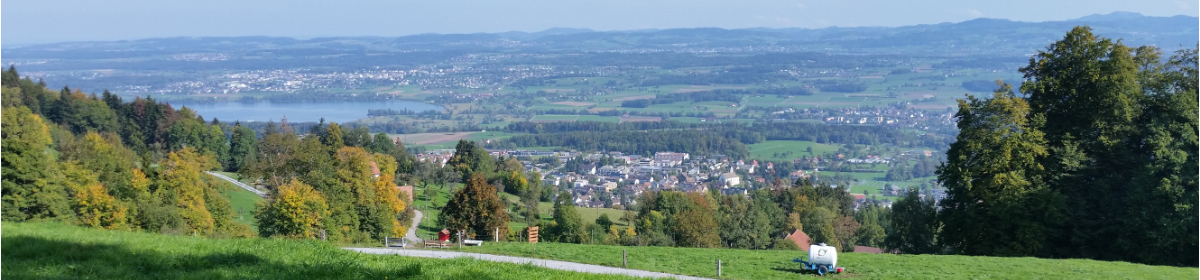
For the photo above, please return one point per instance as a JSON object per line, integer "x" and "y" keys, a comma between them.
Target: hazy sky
{"x": 41, "y": 21}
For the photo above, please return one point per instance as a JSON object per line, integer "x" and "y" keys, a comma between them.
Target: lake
{"x": 302, "y": 112}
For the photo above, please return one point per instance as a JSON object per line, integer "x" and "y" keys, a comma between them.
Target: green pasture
{"x": 243, "y": 201}
{"x": 766, "y": 150}
{"x": 777, "y": 264}
{"x": 48, "y": 250}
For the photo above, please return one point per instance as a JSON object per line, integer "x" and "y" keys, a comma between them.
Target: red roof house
{"x": 374, "y": 169}
{"x": 801, "y": 239}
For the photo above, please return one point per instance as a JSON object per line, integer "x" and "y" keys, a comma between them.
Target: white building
{"x": 731, "y": 179}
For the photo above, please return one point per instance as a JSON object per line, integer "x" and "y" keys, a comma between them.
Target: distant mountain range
{"x": 974, "y": 37}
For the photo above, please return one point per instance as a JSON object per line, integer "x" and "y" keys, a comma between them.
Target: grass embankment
{"x": 775, "y": 264}
{"x": 57, "y": 251}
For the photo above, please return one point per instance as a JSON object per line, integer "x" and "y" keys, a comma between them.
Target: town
{"x": 615, "y": 180}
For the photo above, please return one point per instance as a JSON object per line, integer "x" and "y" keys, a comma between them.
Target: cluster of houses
{"x": 628, "y": 176}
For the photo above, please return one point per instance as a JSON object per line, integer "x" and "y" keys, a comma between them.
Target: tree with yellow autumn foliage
{"x": 181, "y": 185}
{"x": 294, "y": 210}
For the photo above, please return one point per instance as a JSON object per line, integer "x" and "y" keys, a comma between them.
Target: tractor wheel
{"x": 822, "y": 269}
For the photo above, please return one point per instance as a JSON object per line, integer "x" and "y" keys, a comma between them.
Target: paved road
{"x": 411, "y": 235}
{"x": 560, "y": 265}
{"x": 239, "y": 184}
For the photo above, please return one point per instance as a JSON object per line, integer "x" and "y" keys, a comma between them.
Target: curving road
{"x": 560, "y": 265}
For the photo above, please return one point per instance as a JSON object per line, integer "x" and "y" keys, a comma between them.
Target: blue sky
{"x": 43, "y": 21}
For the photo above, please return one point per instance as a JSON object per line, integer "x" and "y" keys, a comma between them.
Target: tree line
{"x": 754, "y": 133}
{"x": 731, "y": 96}
{"x": 635, "y": 142}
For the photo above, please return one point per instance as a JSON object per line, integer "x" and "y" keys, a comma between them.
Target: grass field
{"x": 591, "y": 118}
{"x": 243, "y": 201}
{"x": 588, "y": 215}
{"x": 554, "y": 118}
{"x": 439, "y": 197}
{"x": 777, "y": 264}
{"x": 860, "y": 176}
{"x": 431, "y": 207}
{"x": 767, "y": 149}
{"x": 57, "y": 251}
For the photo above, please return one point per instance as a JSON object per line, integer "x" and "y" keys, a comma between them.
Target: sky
{"x": 46, "y": 21}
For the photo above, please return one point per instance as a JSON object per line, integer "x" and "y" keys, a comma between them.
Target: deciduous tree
{"x": 31, "y": 188}
{"x": 476, "y": 208}
{"x": 294, "y": 210}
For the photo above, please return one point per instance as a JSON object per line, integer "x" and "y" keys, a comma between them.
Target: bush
{"x": 785, "y": 244}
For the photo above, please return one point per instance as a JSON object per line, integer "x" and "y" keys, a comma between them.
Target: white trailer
{"x": 821, "y": 258}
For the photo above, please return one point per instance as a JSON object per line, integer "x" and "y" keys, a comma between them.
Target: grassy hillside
{"x": 774, "y": 264}
{"x": 243, "y": 201}
{"x": 56, "y": 251}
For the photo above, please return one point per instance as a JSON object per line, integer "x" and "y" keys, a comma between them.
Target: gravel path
{"x": 411, "y": 235}
{"x": 560, "y": 265}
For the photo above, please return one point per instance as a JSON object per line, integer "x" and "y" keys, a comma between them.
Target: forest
{"x": 99, "y": 161}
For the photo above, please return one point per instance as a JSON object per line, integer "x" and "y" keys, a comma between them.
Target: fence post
{"x": 496, "y": 236}
{"x": 322, "y": 235}
{"x": 624, "y": 259}
{"x": 718, "y": 267}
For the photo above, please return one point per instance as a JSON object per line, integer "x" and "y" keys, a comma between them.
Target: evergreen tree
{"x": 242, "y": 146}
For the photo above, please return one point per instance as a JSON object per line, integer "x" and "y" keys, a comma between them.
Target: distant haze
{"x": 45, "y": 21}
